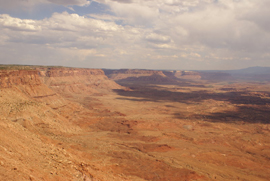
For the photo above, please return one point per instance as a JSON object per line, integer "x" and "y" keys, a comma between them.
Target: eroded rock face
{"x": 187, "y": 75}
{"x": 29, "y": 112}
{"x": 68, "y": 124}
{"x": 9, "y": 78}
{"x": 77, "y": 80}
{"x": 163, "y": 76}
{"x": 64, "y": 72}
{"x": 129, "y": 73}
{"x": 35, "y": 121}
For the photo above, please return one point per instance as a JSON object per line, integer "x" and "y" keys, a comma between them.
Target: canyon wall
{"x": 187, "y": 75}
{"x": 178, "y": 75}
{"x": 164, "y": 76}
{"x": 77, "y": 80}
{"x": 35, "y": 120}
{"x": 127, "y": 73}
{"x": 24, "y": 98}
{"x": 9, "y": 78}
{"x": 138, "y": 75}
{"x": 70, "y": 124}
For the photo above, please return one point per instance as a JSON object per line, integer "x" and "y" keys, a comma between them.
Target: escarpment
{"x": 35, "y": 124}
{"x": 10, "y": 78}
{"x": 65, "y": 72}
{"x": 138, "y": 75}
{"x": 187, "y": 75}
{"x": 61, "y": 124}
{"x": 24, "y": 97}
{"x": 127, "y": 73}
{"x": 77, "y": 80}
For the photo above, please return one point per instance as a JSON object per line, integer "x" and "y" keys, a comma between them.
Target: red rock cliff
{"x": 77, "y": 80}
{"x": 64, "y": 72}
{"x": 187, "y": 75}
{"x": 9, "y": 78}
{"x": 133, "y": 73}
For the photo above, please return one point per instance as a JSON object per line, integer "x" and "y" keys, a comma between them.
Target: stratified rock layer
{"x": 76, "y": 80}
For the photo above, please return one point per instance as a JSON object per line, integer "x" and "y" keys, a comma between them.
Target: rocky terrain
{"x": 184, "y": 74}
{"x": 62, "y": 123}
{"x": 78, "y": 81}
{"x": 127, "y": 73}
{"x": 138, "y": 75}
{"x": 165, "y": 76}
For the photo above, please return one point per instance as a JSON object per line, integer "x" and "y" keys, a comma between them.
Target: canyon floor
{"x": 184, "y": 131}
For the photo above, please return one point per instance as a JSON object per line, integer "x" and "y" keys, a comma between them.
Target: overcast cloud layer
{"x": 155, "y": 34}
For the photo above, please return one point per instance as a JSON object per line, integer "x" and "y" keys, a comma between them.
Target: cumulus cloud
{"x": 80, "y": 37}
{"x": 26, "y": 5}
{"x": 17, "y": 24}
{"x": 190, "y": 34}
{"x": 20, "y": 4}
{"x": 70, "y": 2}
{"x": 157, "y": 38}
{"x": 69, "y": 30}
{"x": 73, "y": 22}
{"x": 258, "y": 13}
{"x": 134, "y": 13}
{"x": 123, "y": 1}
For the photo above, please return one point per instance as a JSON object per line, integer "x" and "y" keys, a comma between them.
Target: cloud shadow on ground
{"x": 248, "y": 108}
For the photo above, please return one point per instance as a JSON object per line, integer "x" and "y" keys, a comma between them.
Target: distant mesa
{"x": 163, "y": 76}
{"x": 185, "y": 74}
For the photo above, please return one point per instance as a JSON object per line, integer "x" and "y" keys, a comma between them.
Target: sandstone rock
{"x": 9, "y": 78}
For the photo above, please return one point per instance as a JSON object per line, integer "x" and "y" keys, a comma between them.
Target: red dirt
{"x": 76, "y": 124}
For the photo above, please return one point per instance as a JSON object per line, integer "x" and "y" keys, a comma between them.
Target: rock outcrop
{"x": 25, "y": 97}
{"x": 127, "y": 73}
{"x": 77, "y": 80}
{"x": 138, "y": 75}
{"x": 35, "y": 120}
{"x": 192, "y": 75}
{"x": 67, "y": 124}
{"x": 9, "y": 78}
{"x": 164, "y": 76}
{"x": 187, "y": 75}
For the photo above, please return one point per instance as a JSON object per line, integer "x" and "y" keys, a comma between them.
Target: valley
{"x": 61, "y": 123}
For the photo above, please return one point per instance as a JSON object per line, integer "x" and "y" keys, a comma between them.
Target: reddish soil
{"x": 76, "y": 124}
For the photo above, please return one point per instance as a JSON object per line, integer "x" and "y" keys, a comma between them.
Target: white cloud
{"x": 23, "y": 5}
{"x": 157, "y": 38}
{"x": 135, "y": 12}
{"x": 70, "y": 2}
{"x": 26, "y": 5}
{"x": 177, "y": 32}
{"x": 17, "y": 24}
{"x": 67, "y": 34}
{"x": 73, "y": 22}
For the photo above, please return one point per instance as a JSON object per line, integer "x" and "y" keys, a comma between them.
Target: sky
{"x": 144, "y": 34}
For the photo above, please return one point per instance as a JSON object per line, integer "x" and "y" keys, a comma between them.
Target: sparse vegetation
{"x": 142, "y": 130}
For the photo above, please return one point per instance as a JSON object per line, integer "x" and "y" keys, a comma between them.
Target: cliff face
{"x": 138, "y": 75}
{"x": 196, "y": 75}
{"x": 77, "y": 81}
{"x": 9, "y": 78}
{"x": 24, "y": 97}
{"x": 32, "y": 117}
{"x": 65, "y": 72}
{"x": 187, "y": 75}
{"x": 127, "y": 73}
